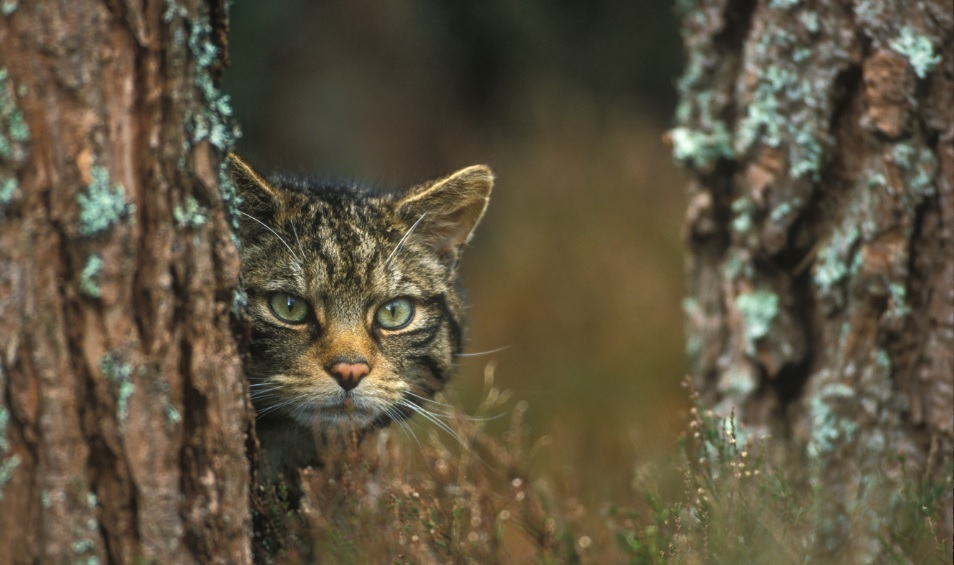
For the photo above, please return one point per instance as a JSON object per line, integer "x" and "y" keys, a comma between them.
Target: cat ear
{"x": 258, "y": 197}
{"x": 445, "y": 212}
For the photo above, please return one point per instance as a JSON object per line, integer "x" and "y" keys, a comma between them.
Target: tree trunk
{"x": 819, "y": 141}
{"x": 123, "y": 413}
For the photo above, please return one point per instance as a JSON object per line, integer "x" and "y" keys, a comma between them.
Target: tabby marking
{"x": 355, "y": 310}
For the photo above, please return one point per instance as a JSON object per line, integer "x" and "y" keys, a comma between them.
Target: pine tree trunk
{"x": 123, "y": 410}
{"x": 821, "y": 271}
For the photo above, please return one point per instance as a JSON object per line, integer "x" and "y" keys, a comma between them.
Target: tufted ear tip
{"x": 259, "y": 201}
{"x": 247, "y": 181}
{"x": 448, "y": 209}
{"x": 478, "y": 174}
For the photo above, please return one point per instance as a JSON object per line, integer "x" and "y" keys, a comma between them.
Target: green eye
{"x": 288, "y": 307}
{"x": 395, "y": 314}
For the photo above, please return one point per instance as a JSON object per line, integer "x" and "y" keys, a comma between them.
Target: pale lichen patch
{"x": 120, "y": 373}
{"x": 89, "y": 285}
{"x": 759, "y": 310}
{"x": 190, "y": 214}
{"x": 918, "y": 49}
{"x": 14, "y": 132}
{"x": 102, "y": 204}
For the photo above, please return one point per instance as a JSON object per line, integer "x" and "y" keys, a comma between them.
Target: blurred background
{"x": 577, "y": 268}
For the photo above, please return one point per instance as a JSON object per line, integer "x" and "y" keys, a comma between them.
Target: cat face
{"x": 353, "y": 300}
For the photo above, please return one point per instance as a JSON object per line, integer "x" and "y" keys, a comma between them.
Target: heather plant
{"x": 739, "y": 506}
{"x": 461, "y": 494}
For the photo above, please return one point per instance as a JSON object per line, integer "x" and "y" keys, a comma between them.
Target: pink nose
{"x": 349, "y": 375}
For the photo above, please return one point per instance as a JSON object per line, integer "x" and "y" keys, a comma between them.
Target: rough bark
{"x": 819, "y": 136}
{"x": 123, "y": 411}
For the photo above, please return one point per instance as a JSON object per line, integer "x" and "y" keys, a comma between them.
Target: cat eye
{"x": 395, "y": 314}
{"x": 288, "y": 307}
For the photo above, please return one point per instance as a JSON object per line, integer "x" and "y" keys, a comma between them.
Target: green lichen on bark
{"x": 8, "y": 189}
{"x": 736, "y": 264}
{"x": 700, "y": 138}
{"x": 834, "y": 263}
{"x": 14, "y": 132}
{"x": 101, "y": 204}
{"x": 231, "y": 198}
{"x": 781, "y": 115}
{"x": 7, "y": 464}
{"x": 759, "y": 310}
{"x": 783, "y": 210}
{"x": 4, "y": 419}
{"x": 919, "y": 166}
{"x": 829, "y": 427}
{"x": 85, "y": 545}
{"x": 190, "y": 214}
{"x": 809, "y": 20}
{"x": 698, "y": 148}
{"x": 120, "y": 374}
{"x": 173, "y": 416}
{"x": 89, "y": 285}
{"x": 7, "y": 467}
{"x": 738, "y": 381}
{"x": 691, "y": 311}
{"x": 742, "y": 209}
{"x": 898, "y": 308}
{"x": 172, "y": 10}
{"x": 239, "y": 301}
{"x": 215, "y": 122}
{"x": 918, "y": 49}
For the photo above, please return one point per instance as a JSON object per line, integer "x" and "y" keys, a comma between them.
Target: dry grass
{"x": 475, "y": 498}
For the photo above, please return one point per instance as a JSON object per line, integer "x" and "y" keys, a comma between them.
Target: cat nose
{"x": 349, "y": 374}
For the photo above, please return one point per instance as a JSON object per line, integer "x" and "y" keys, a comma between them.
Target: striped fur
{"x": 347, "y": 251}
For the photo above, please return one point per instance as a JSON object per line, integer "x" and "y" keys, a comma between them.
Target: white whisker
{"x": 280, "y": 238}
{"x": 431, "y": 400}
{"x": 265, "y": 399}
{"x": 303, "y": 405}
{"x": 403, "y": 239}
{"x": 479, "y": 353}
{"x": 298, "y": 241}
{"x": 451, "y": 411}
{"x": 433, "y": 418}
{"x": 405, "y": 427}
{"x": 277, "y": 406}
{"x": 260, "y": 392}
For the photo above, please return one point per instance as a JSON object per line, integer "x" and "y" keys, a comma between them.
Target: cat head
{"x": 353, "y": 299}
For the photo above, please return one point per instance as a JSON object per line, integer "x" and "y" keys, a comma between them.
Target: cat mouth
{"x": 345, "y": 410}
{"x": 353, "y": 408}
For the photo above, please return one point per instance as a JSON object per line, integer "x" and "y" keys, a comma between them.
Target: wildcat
{"x": 355, "y": 311}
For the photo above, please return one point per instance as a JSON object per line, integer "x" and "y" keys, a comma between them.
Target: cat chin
{"x": 330, "y": 419}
